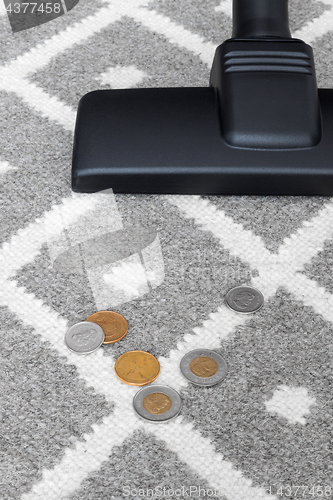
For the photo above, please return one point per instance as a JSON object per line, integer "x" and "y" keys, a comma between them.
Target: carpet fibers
{"x": 68, "y": 429}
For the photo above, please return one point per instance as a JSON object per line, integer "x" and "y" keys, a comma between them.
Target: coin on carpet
{"x": 244, "y": 299}
{"x": 203, "y": 367}
{"x": 137, "y": 368}
{"x": 113, "y": 324}
{"x": 157, "y": 403}
{"x": 84, "y": 337}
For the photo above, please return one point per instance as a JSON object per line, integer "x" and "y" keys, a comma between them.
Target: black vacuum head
{"x": 261, "y": 127}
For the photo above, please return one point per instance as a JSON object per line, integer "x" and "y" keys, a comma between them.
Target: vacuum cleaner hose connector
{"x": 260, "y": 18}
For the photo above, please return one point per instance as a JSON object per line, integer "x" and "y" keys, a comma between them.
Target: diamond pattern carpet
{"x": 68, "y": 427}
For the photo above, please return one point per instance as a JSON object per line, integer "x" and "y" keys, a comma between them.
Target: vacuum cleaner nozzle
{"x": 261, "y": 127}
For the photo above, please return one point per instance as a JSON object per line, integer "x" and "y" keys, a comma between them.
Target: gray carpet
{"x": 68, "y": 428}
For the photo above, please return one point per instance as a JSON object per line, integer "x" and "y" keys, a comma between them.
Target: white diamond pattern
{"x": 23, "y": 248}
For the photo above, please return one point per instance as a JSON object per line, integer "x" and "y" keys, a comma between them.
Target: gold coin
{"x": 204, "y": 366}
{"x": 137, "y": 368}
{"x": 157, "y": 403}
{"x": 113, "y": 324}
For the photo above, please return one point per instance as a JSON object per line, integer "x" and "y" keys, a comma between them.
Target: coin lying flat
{"x": 113, "y": 324}
{"x": 84, "y": 337}
{"x": 203, "y": 367}
{"x": 244, "y": 299}
{"x": 157, "y": 403}
{"x": 137, "y": 368}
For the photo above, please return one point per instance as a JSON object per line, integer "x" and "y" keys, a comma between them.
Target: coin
{"x": 84, "y": 337}
{"x": 157, "y": 403}
{"x": 203, "y": 367}
{"x": 113, "y": 324}
{"x": 137, "y": 368}
{"x": 244, "y": 299}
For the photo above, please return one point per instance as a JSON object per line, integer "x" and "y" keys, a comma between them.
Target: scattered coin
{"x": 157, "y": 403}
{"x": 84, "y": 337}
{"x": 137, "y": 368}
{"x": 244, "y": 299}
{"x": 113, "y": 324}
{"x": 203, "y": 367}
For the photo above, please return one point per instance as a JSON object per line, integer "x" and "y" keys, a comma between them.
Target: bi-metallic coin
{"x": 137, "y": 368}
{"x": 113, "y": 324}
{"x": 84, "y": 337}
{"x": 203, "y": 367}
{"x": 244, "y": 299}
{"x": 157, "y": 403}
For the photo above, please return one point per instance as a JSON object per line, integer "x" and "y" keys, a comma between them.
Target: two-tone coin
{"x": 244, "y": 299}
{"x": 84, "y": 337}
{"x": 203, "y": 367}
{"x": 114, "y": 325}
{"x": 137, "y": 368}
{"x": 157, "y": 403}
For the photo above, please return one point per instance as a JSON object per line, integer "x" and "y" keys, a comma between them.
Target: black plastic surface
{"x": 267, "y": 94}
{"x": 169, "y": 141}
{"x": 262, "y": 127}
{"x": 254, "y": 18}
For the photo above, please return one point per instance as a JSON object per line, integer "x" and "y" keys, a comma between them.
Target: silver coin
{"x": 85, "y": 337}
{"x": 203, "y": 367}
{"x": 157, "y": 403}
{"x": 244, "y": 299}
